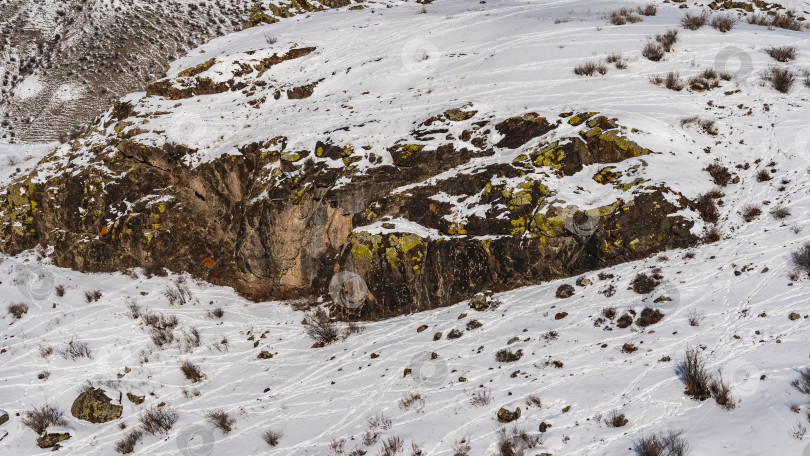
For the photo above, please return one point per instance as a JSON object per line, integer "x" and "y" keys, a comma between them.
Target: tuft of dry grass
{"x": 667, "y": 39}
{"x": 624, "y": 16}
{"x": 782, "y": 53}
{"x": 694, "y": 21}
{"x": 590, "y": 69}
{"x": 17, "y": 310}
{"x": 412, "y": 401}
{"x": 481, "y": 397}
{"x": 781, "y": 78}
{"x": 272, "y": 437}
{"x": 653, "y": 51}
{"x": 721, "y": 391}
{"x": 801, "y": 258}
{"x": 221, "y": 420}
{"x": 720, "y": 174}
{"x": 723, "y": 22}
{"x": 615, "y": 419}
{"x": 127, "y": 444}
{"x": 506, "y": 355}
{"x": 751, "y": 212}
{"x": 693, "y": 372}
{"x": 663, "y": 444}
{"x": 192, "y": 371}
{"x": 706, "y": 125}
{"x": 158, "y": 420}
{"x": 787, "y": 20}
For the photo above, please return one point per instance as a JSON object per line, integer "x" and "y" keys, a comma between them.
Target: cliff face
{"x": 433, "y": 209}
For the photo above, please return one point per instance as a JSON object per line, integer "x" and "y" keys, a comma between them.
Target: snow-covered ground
{"x": 506, "y": 58}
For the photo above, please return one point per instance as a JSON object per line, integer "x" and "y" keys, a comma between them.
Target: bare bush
{"x": 720, "y": 174}
{"x": 59, "y": 290}
{"x": 320, "y": 327}
{"x": 191, "y": 371}
{"x": 780, "y": 213}
{"x": 92, "y": 295}
{"x": 337, "y": 446}
{"x": 663, "y": 444}
{"x": 694, "y": 21}
{"x": 272, "y": 437}
{"x": 707, "y": 208}
{"x": 615, "y": 419}
{"x": 723, "y": 22}
{"x": 781, "y": 79}
{"x": 798, "y": 431}
{"x": 221, "y": 420}
{"x": 667, "y": 39}
{"x": 481, "y": 397}
{"x": 412, "y": 400}
{"x": 590, "y": 69}
{"x": 696, "y": 317}
{"x": 271, "y": 39}
{"x": 706, "y": 125}
{"x": 643, "y": 283}
{"x": 803, "y": 382}
{"x": 653, "y": 51}
{"x": 74, "y": 349}
{"x": 392, "y": 446}
{"x": 514, "y": 441}
{"x": 379, "y": 421}
{"x": 17, "y": 310}
{"x": 628, "y": 347}
{"x": 693, "y": 372}
{"x": 624, "y": 16}
{"x": 782, "y": 53}
{"x": 763, "y": 175}
{"x": 649, "y": 9}
{"x": 534, "y": 401}
{"x": 40, "y": 418}
{"x": 158, "y": 420}
{"x": 370, "y": 437}
{"x": 506, "y": 355}
{"x": 216, "y": 313}
{"x": 785, "y": 20}
{"x": 751, "y": 212}
{"x": 461, "y": 448}
{"x": 721, "y": 391}
{"x": 127, "y": 444}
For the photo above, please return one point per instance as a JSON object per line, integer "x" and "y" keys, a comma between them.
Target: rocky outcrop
{"x": 96, "y": 407}
{"x": 274, "y": 223}
{"x": 52, "y": 439}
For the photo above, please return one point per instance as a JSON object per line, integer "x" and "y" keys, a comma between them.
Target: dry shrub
{"x": 320, "y": 327}
{"x": 461, "y": 448}
{"x": 721, "y": 391}
{"x": 412, "y": 400}
{"x": 649, "y": 317}
{"x": 694, "y": 21}
{"x": 272, "y": 437}
{"x": 785, "y": 20}
{"x": 803, "y": 382}
{"x": 693, "y": 372}
{"x": 712, "y": 234}
{"x": 648, "y": 10}
{"x": 723, "y": 22}
{"x": 392, "y": 446}
{"x": 17, "y": 310}
{"x": 706, "y": 125}
{"x": 191, "y": 371}
{"x": 720, "y": 174}
{"x": 663, "y": 444}
{"x": 781, "y": 78}
{"x": 158, "y": 420}
{"x": 653, "y": 51}
{"x": 629, "y": 347}
{"x": 506, "y": 355}
{"x": 707, "y": 208}
{"x": 751, "y": 212}
{"x": 454, "y": 334}
{"x": 782, "y": 53}
{"x": 667, "y": 39}
{"x": 801, "y": 258}
{"x": 379, "y": 421}
{"x": 474, "y": 324}
{"x": 780, "y": 213}
{"x": 59, "y": 290}
{"x": 127, "y": 444}
{"x": 40, "y": 418}
{"x": 534, "y": 401}
{"x": 643, "y": 283}
{"x": 590, "y": 69}
{"x": 616, "y": 419}
{"x": 92, "y": 295}
{"x": 221, "y": 420}
{"x": 609, "y": 312}
{"x": 481, "y": 398}
{"x": 74, "y": 349}
{"x": 623, "y": 16}
{"x": 216, "y": 313}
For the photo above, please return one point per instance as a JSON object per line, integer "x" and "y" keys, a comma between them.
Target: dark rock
{"x": 52, "y": 440}
{"x": 565, "y": 291}
{"x": 506, "y": 416}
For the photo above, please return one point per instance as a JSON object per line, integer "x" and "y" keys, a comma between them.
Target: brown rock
{"x": 94, "y": 406}
{"x": 565, "y": 291}
{"x": 506, "y": 416}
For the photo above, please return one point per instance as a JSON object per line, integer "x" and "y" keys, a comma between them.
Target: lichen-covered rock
{"x": 51, "y": 440}
{"x": 507, "y": 416}
{"x": 137, "y": 400}
{"x": 95, "y": 406}
{"x": 3, "y": 417}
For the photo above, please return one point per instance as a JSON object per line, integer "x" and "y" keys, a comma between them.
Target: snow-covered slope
{"x": 382, "y": 70}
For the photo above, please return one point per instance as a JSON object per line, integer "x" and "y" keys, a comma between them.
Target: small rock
{"x": 3, "y": 417}
{"x": 560, "y": 315}
{"x": 544, "y": 426}
{"x": 462, "y": 379}
{"x": 583, "y": 282}
{"x": 407, "y": 372}
{"x": 374, "y": 356}
{"x": 565, "y": 291}
{"x": 437, "y": 336}
{"x": 794, "y": 316}
{"x": 264, "y": 354}
{"x": 137, "y": 400}
{"x": 421, "y": 328}
{"x": 505, "y": 416}
{"x": 479, "y": 302}
{"x": 51, "y": 440}
{"x": 513, "y": 340}
{"x": 434, "y": 355}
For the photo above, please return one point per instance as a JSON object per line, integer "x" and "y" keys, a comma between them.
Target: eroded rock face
{"x": 273, "y": 223}
{"x": 96, "y": 407}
